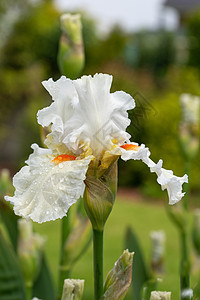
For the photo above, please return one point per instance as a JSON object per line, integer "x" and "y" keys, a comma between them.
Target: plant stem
{"x": 98, "y": 263}
{"x": 187, "y": 186}
{"x": 29, "y": 288}
{"x": 65, "y": 230}
{"x": 184, "y": 266}
{"x": 64, "y": 274}
{"x": 185, "y": 260}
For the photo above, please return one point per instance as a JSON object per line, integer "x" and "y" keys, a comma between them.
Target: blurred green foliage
{"x": 193, "y": 25}
{"x": 28, "y": 56}
{"x": 143, "y": 64}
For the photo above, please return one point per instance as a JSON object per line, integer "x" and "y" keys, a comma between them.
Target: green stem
{"x": 185, "y": 260}
{"x": 184, "y": 266}
{"x": 98, "y": 263}
{"x": 63, "y": 273}
{"x": 65, "y": 230}
{"x": 187, "y": 186}
{"x": 29, "y": 288}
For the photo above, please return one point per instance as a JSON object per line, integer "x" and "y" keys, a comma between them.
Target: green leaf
{"x": 196, "y": 290}
{"x": 43, "y": 287}
{"x": 11, "y": 279}
{"x": 139, "y": 272}
{"x": 10, "y": 221}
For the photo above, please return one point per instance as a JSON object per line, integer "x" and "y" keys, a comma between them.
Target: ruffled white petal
{"x": 45, "y": 190}
{"x": 101, "y": 115}
{"x": 142, "y": 153}
{"x": 85, "y": 112}
{"x": 169, "y": 181}
{"x": 60, "y": 111}
{"x": 166, "y": 178}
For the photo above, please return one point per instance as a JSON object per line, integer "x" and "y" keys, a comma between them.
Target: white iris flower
{"x": 88, "y": 131}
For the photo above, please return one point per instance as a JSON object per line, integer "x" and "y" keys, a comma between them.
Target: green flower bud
{"x": 77, "y": 242}
{"x": 190, "y": 108}
{"x": 160, "y": 295}
{"x": 196, "y": 231}
{"x": 189, "y": 139}
{"x": 30, "y": 247}
{"x": 100, "y": 195}
{"x": 189, "y": 126}
{"x": 73, "y": 289}
{"x": 6, "y": 186}
{"x": 119, "y": 278}
{"x": 157, "y": 253}
{"x": 71, "y": 53}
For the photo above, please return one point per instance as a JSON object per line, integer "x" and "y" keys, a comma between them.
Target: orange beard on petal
{"x": 63, "y": 157}
{"x": 130, "y": 147}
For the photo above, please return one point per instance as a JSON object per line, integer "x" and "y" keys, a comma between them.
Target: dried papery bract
{"x": 119, "y": 278}
{"x": 73, "y": 289}
{"x": 160, "y": 295}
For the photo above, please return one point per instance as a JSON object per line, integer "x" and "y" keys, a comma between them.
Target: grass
{"x": 143, "y": 218}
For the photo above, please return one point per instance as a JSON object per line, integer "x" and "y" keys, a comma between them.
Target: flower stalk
{"x": 98, "y": 199}
{"x": 184, "y": 266}
{"x": 189, "y": 143}
{"x": 98, "y": 263}
{"x": 63, "y": 273}
{"x": 185, "y": 257}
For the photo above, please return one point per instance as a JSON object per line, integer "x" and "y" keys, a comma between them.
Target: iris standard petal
{"x": 85, "y": 112}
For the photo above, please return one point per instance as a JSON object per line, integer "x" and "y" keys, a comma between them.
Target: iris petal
{"x": 45, "y": 190}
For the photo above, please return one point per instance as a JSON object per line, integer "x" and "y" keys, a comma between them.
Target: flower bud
{"x": 71, "y": 53}
{"x": 160, "y": 295}
{"x": 157, "y": 254}
{"x": 6, "y": 186}
{"x": 73, "y": 289}
{"x": 77, "y": 242}
{"x": 100, "y": 195}
{"x": 190, "y": 108}
{"x": 189, "y": 126}
{"x": 189, "y": 139}
{"x": 30, "y": 247}
{"x": 119, "y": 278}
{"x": 196, "y": 231}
